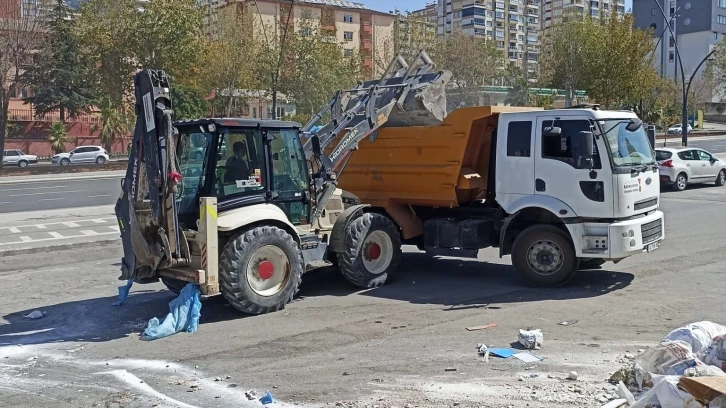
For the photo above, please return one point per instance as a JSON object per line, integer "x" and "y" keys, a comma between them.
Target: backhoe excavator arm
{"x": 408, "y": 94}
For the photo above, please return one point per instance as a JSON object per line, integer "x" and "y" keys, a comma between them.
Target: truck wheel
{"x": 260, "y": 270}
{"x": 544, "y": 256}
{"x": 174, "y": 285}
{"x": 372, "y": 251}
{"x": 592, "y": 263}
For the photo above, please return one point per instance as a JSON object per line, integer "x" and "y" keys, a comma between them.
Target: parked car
{"x": 676, "y": 129}
{"x": 14, "y": 157}
{"x": 681, "y": 167}
{"x": 81, "y": 154}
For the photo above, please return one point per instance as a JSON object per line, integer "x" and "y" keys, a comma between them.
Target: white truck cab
{"x": 608, "y": 200}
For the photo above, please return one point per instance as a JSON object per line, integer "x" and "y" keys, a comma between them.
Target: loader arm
{"x": 146, "y": 209}
{"x": 407, "y": 94}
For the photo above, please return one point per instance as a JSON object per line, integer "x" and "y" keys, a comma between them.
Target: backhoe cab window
{"x": 239, "y": 163}
{"x": 191, "y": 150}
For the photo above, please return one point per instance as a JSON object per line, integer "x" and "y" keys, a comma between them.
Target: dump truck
{"x": 242, "y": 207}
{"x": 558, "y": 190}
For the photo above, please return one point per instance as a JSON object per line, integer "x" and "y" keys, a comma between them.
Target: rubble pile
{"x": 686, "y": 370}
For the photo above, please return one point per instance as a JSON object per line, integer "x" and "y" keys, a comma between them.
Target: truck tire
{"x": 174, "y": 285}
{"x": 260, "y": 270}
{"x": 544, "y": 256}
{"x": 372, "y": 251}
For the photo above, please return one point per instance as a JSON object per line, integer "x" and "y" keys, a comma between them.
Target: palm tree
{"x": 57, "y": 137}
{"x": 113, "y": 123}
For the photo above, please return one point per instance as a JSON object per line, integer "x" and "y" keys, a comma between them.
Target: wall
{"x": 41, "y": 148}
{"x": 382, "y": 38}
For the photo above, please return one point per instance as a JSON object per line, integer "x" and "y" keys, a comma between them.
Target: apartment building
{"x": 553, "y": 11}
{"x": 360, "y": 31}
{"x": 513, "y": 24}
{"x": 698, "y": 26}
{"x": 414, "y": 29}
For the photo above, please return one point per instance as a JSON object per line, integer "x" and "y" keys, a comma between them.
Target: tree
{"x": 59, "y": 79}
{"x": 188, "y": 102}
{"x": 20, "y": 35}
{"x": 518, "y": 94}
{"x": 114, "y": 123}
{"x": 411, "y": 34}
{"x": 58, "y": 137}
{"x": 474, "y": 61}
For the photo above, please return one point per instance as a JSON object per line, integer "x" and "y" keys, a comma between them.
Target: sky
{"x": 403, "y": 5}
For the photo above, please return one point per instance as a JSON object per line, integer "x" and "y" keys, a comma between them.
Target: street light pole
{"x": 684, "y": 109}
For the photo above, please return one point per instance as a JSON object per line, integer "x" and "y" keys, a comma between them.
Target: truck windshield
{"x": 627, "y": 148}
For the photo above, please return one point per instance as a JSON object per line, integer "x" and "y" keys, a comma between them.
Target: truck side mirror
{"x": 552, "y": 132}
{"x": 634, "y": 125}
{"x": 582, "y": 148}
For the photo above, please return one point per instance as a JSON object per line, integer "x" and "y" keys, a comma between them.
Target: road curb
{"x": 18, "y": 180}
{"x": 63, "y": 247}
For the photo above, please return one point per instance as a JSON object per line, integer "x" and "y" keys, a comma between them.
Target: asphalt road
{"x": 404, "y": 343}
{"x": 58, "y": 194}
{"x": 713, "y": 144}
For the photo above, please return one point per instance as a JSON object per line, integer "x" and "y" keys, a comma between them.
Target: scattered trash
{"x": 123, "y": 293}
{"x": 527, "y": 357}
{"x": 75, "y": 350}
{"x": 486, "y": 326}
{"x": 715, "y": 353}
{"x": 483, "y": 350}
{"x": 617, "y": 403}
{"x": 668, "y": 358}
{"x": 698, "y": 335}
{"x": 567, "y": 322}
{"x": 502, "y": 352}
{"x": 184, "y": 312}
{"x": 228, "y": 377}
{"x": 624, "y": 392}
{"x": 718, "y": 402}
{"x": 531, "y": 339}
{"x": 251, "y": 395}
{"x": 217, "y": 379}
{"x": 450, "y": 369}
{"x": 704, "y": 371}
{"x": 32, "y": 358}
{"x": 34, "y": 315}
{"x": 267, "y": 398}
{"x": 572, "y": 375}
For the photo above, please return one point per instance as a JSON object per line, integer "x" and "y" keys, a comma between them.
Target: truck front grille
{"x": 651, "y": 231}
{"x": 651, "y": 202}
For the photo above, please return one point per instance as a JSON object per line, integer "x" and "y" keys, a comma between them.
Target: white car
{"x": 14, "y": 157}
{"x": 681, "y": 167}
{"x": 81, "y": 154}
{"x": 676, "y": 129}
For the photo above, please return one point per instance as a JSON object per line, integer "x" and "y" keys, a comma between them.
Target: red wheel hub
{"x": 265, "y": 269}
{"x": 374, "y": 251}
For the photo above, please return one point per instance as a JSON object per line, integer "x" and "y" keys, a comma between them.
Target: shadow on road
{"x": 464, "y": 284}
{"x": 452, "y": 283}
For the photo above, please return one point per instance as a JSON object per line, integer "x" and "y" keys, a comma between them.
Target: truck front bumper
{"x": 620, "y": 239}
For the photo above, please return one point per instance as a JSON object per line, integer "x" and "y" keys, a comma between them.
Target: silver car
{"x": 15, "y": 157}
{"x": 681, "y": 167}
{"x": 81, "y": 154}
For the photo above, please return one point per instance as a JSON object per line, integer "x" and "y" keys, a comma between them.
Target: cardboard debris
{"x": 502, "y": 352}
{"x": 527, "y": 357}
{"x": 486, "y": 326}
{"x": 704, "y": 389}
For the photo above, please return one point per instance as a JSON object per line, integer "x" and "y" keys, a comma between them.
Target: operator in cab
{"x": 236, "y": 165}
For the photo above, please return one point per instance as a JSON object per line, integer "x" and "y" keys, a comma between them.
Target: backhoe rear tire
{"x": 260, "y": 270}
{"x": 372, "y": 251}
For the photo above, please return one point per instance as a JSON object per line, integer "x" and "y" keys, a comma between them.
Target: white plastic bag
{"x": 699, "y": 335}
{"x": 715, "y": 354}
{"x": 667, "y": 358}
{"x": 531, "y": 339}
{"x": 718, "y": 402}
{"x": 665, "y": 393}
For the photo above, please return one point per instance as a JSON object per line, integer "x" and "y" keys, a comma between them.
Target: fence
{"x": 29, "y": 115}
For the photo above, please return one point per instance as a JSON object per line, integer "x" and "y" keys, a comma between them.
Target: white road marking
{"x": 56, "y": 234}
{"x": 46, "y": 224}
{"x": 53, "y": 239}
{"x": 100, "y": 195}
{"x": 26, "y": 238}
{"x": 5, "y": 202}
{"x": 50, "y": 199}
{"x": 115, "y": 228}
{"x": 89, "y": 232}
{"x": 100, "y": 220}
{"x": 71, "y": 224}
{"x": 41, "y": 226}
{"x": 14, "y": 230}
{"x": 137, "y": 383}
{"x": 30, "y": 188}
{"x": 49, "y": 192}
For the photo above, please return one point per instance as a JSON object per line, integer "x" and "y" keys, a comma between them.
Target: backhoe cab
{"x": 242, "y": 207}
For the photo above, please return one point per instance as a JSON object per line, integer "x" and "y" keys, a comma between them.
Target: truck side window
{"x": 559, "y": 148}
{"x": 519, "y": 138}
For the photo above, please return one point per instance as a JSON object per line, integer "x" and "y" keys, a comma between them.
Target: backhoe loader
{"x": 243, "y": 207}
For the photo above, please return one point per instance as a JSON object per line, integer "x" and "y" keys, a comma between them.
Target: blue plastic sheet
{"x": 267, "y": 398}
{"x": 184, "y": 312}
{"x": 123, "y": 293}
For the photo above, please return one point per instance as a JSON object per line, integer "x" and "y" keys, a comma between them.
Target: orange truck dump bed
{"x": 433, "y": 166}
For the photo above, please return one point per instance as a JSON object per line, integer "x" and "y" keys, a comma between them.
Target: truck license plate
{"x": 652, "y": 247}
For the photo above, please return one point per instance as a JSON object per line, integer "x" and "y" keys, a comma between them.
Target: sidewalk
{"x": 43, "y": 231}
{"x": 96, "y": 175}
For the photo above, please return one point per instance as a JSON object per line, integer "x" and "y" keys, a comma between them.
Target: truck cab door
{"x": 587, "y": 189}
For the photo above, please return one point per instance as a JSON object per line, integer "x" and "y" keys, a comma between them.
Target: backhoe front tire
{"x": 260, "y": 270}
{"x": 372, "y": 251}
